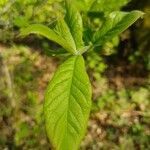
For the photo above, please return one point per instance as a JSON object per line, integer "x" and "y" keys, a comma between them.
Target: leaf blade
{"x": 63, "y": 30}
{"x": 114, "y": 25}
{"x": 48, "y": 33}
{"x": 67, "y": 104}
{"x": 74, "y": 22}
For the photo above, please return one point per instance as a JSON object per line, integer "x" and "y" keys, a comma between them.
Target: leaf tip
{"x": 138, "y": 13}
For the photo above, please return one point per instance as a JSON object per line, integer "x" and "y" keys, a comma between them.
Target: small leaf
{"x": 48, "y": 33}
{"x": 63, "y": 30}
{"x": 116, "y": 23}
{"x": 74, "y": 22}
{"x": 67, "y": 104}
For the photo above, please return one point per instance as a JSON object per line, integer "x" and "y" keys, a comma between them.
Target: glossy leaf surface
{"x": 67, "y": 104}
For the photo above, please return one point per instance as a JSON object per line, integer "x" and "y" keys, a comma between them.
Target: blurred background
{"x": 119, "y": 72}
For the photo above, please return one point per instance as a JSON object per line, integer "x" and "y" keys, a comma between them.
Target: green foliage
{"x": 3, "y": 2}
{"x": 63, "y": 30}
{"x": 119, "y": 118}
{"x": 17, "y": 13}
{"x": 74, "y": 21}
{"x": 68, "y": 97}
{"x": 67, "y": 100}
{"x": 67, "y": 104}
{"x": 116, "y": 23}
{"x": 67, "y": 33}
{"x": 52, "y": 35}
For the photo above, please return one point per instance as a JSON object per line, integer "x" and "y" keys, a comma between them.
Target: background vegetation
{"x": 119, "y": 72}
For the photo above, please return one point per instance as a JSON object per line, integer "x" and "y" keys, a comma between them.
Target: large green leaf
{"x": 67, "y": 104}
{"x": 51, "y": 35}
{"x": 74, "y": 22}
{"x": 116, "y": 23}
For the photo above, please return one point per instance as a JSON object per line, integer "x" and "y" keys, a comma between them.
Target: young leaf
{"x": 63, "y": 30}
{"x": 116, "y": 23}
{"x": 67, "y": 104}
{"x": 74, "y": 22}
{"x": 48, "y": 33}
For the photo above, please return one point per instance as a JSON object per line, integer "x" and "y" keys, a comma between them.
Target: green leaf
{"x": 63, "y": 30}
{"x": 74, "y": 22}
{"x": 67, "y": 104}
{"x": 50, "y": 34}
{"x": 116, "y": 23}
